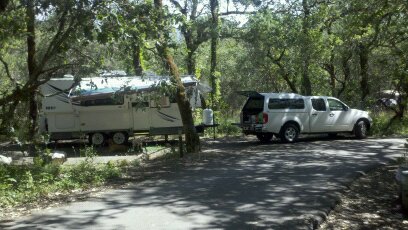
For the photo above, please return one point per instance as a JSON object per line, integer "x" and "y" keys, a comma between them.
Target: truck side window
{"x": 336, "y": 105}
{"x": 276, "y": 103}
{"x": 254, "y": 103}
{"x": 318, "y": 104}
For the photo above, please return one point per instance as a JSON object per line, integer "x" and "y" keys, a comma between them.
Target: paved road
{"x": 245, "y": 185}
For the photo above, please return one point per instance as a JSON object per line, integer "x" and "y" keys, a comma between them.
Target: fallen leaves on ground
{"x": 371, "y": 202}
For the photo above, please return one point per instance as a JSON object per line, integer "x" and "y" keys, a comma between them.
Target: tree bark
{"x": 32, "y": 67}
{"x": 329, "y": 67}
{"x": 191, "y": 61}
{"x": 305, "y": 50}
{"x": 191, "y": 137}
{"x": 346, "y": 72}
{"x": 136, "y": 56}
{"x": 214, "y": 38}
{"x": 363, "y": 54}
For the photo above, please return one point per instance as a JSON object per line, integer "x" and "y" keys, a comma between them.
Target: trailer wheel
{"x": 97, "y": 138}
{"x": 119, "y": 138}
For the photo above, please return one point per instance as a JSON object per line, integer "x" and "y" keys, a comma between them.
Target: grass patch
{"x": 154, "y": 148}
{"x": 28, "y": 183}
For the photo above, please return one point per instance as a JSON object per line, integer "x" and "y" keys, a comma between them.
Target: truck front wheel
{"x": 360, "y": 130}
{"x": 264, "y": 137}
{"x": 289, "y": 133}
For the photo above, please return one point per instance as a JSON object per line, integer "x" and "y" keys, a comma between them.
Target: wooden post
{"x": 181, "y": 144}
{"x": 213, "y": 124}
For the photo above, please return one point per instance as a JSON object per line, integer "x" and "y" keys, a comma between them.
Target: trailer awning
{"x": 110, "y": 85}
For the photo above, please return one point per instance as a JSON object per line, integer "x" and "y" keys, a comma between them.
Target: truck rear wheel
{"x": 97, "y": 139}
{"x": 264, "y": 137}
{"x": 289, "y": 133}
{"x": 119, "y": 138}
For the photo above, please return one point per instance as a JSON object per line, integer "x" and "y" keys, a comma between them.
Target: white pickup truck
{"x": 286, "y": 115}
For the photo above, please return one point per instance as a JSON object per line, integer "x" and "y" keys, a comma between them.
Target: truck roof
{"x": 281, "y": 95}
{"x": 277, "y": 95}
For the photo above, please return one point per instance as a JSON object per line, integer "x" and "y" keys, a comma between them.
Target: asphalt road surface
{"x": 242, "y": 185}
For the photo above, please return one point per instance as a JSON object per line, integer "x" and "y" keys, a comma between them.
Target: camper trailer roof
{"x": 105, "y": 85}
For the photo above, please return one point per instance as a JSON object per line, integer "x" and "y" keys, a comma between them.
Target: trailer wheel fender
{"x": 119, "y": 138}
{"x": 97, "y": 139}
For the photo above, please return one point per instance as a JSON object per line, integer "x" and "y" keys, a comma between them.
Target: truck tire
{"x": 264, "y": 137}
{"x": 289, "y": 133}
{"x": 119, "y": 138}
{"x": 360, "y": 130}
{"x": 97, "y": 139}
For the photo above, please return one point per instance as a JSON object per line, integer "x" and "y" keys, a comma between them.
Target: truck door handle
{"x": 314, "y": 114}
{"x": 331, "y": 115}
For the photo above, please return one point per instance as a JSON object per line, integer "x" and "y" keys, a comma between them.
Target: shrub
{"x": 27, "y": 183}
{"x": 111, "y": 171}
{"x": 382, "y": 126}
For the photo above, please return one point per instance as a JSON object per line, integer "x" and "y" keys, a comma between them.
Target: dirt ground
{"x": 371, "y": 202}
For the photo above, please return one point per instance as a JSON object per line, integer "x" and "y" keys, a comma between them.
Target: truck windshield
{"x": 254, "y": 103}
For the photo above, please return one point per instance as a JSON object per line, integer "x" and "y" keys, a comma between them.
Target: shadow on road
{"x": 239, "y": 184}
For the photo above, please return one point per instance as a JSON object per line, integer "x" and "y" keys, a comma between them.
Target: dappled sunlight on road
{"x": 238, "y": 185}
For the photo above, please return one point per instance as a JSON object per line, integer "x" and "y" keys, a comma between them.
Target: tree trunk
{"x": 3, "y": 5}
{"x": 190, "y": 59}
{"x": 363, "y": 54}
{"x": 33, "y": 115}
{"x": 32, "y": 67}
{"x": 191, "y": 137}
{"x": 191, "y": 62}
{"x": 136, "y": 55}
{"x": 329, "y": 67}
{"x": 214, "y": 38}
{"x": 346, "y": 72}
{"x": 305, "y": 50}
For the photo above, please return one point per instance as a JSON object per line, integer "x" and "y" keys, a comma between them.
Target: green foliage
{"x": 383, "y": 125}
{"x": 26, "y": 183}
{"x": 271, "y": 52}
{"x": 89, "y": 152}
{"x": 227, "y": 129}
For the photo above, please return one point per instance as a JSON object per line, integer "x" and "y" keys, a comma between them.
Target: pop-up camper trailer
{"x": 112, "y": 107}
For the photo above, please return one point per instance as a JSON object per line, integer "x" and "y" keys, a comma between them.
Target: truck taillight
{"x": 265, "y": 118}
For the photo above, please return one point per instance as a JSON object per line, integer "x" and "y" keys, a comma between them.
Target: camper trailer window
{"x": 142, "y": 104}
{"x": 117, "y": 100}
{"x": 161, "y": 102}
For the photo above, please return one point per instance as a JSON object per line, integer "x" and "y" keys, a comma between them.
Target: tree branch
{"x": 179, "y": 7}
{"x": 7, "y": 70}
{"x": 55, "y": 68}
{"x": 237, "y": 12}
